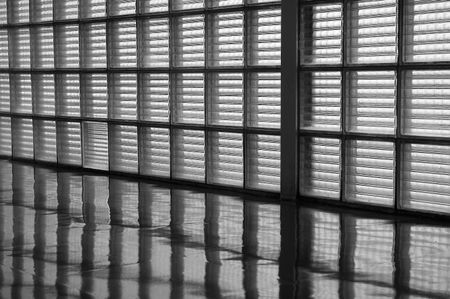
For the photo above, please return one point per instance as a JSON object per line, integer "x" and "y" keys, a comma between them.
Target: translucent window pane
{"x": 226, "y": 99}
{"x": 154, "y": 101}
{"x": 93, "y": 45}
{"x": 426, "y": 103}
{"x": 186, "y": 4}
{"x": 371, "y": 102}
{"x": 264, "y": 40}
{"x": 427, "y": 27}
{"x": 320, "y": 101}
{"x": 68, "y": 94}
{"x": 260, "y": 1}
{"x": 5, "y": 98}
{"x": 370, "y": 172}
{"x": 155, "y": 43}
{"x": 155, "y": 151}
{"x": 222, "y": 3}
{"x": 226, "y": 159}
{"x": 425, "y": 177}
{"x": 42, "y": 10}
{"x": 19, "y": 48}
{"x": 69, "y": 143}
{"x": 320, "y": 34}
{"x": 123, "y": 44}
{"x": 226, "y": 41}
{"x": 148, "y": 6}
{"x": 43, "y": 94}
{"x": 121, "y": 7}
{"x": 4, "y": 57}
{"x": 43, "y": 50}
{"x": 264, "y": 100}
{"x": 22, "y": 138}
{"x": 3, "y": 11}
{"x": 189, "y": 99}
{"x": 45, "y": 140}
{"x": 95, "y": 145}
{"x": 67, "y": 50}
{"x": 92, "y": 8}
{"x": 320, "y": 167}
{"x": 188, "y": 161}
{"x": 122, "y": 96}
{"x": 66, "y": 9}
{"x": 373, "y": 37}
{"x": 18, "y": 11}
{"x": 21, "y": 93}
{"x": 124, "y": 149}
{"x": 263, "y": 165}
{"x": 189, "y": 37}
{"x": 94, "y": 95}
{"x": 5, "y": 136}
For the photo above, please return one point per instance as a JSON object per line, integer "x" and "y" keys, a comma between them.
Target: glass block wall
{"x": 374, "y": 102}
{"x": 178, "y": 89}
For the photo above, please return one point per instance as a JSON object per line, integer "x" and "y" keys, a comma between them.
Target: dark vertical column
{"x": 212, "y": 248}
{"x": 40, "y": 225}
{"x": 2, "y": 238}
{"x": 289, "y": 99}
{"x": 402, "y": 260}
{"x": 289, "y": 250}
{"x": 17, "y": 248}
{"x": 305, "y": 240}
{"x": 177, "y": 209}
{"x": 145, "y": 240}
{"x": 346, "y": 258}
{"x": 250, "y": 249}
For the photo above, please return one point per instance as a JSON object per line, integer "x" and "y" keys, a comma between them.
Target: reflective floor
{"x": 71, "y": 235}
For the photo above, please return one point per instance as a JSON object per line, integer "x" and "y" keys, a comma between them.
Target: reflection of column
{"x": 2, "y": 245}
{"x": 212, "y": 250}
{"x": 250, "y": 249}
{"x": 62, "y": 234}
{"x": 40, "y": 224}
{"x": 288, "y": 252}
{"x": 402, "y": 259}
{"x": 17, "y": 251}
{"x": 88, "y": 236}
{"x": 177, "y": 208}
{"x": 347, "y": 257}
{"x": 305, "y": 251}
{"x": 145, "y": 240}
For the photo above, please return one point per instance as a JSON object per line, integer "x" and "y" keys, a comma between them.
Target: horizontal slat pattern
{"x": 155, "y": 151}
{"x": 226, "y": 99}
{"x": 121, "y": 7}
{"x": 95, "y": 95}
{"x": 22, "y": 138}
{"x": 370, "y": 172}
{"x": 373, "y": 31}
{"x": 320, "y": 34}
{"x": 66, "y": 9}
{"x": 188, "y": 161}
{"x": 124, "y": 148}
{"x": 5, "y": 136}
{"x": 4, "y": 44}
{"x": 122, "y": 96}
{"x": 427, "y": 36}
{"x": 93, "y": 45}
{"x": 226, "y": 41}
{"x": 426, "y": 106}
{"x": 68, "y": 95}
{"x": 3, "y": 12}
{"x": 189, "y": 38}
{"x": 425, "y": 177}
{"x": 372, "y": 97}
{"x": 264, "y": 100}
{"x": 67, "y": 44}
{"x": 5, "y": 94}
{"x": 18, "y": 11}
{"x": 149, "y": 6}
{"x": 154, "y": 49}
{"x": 69, "y": 143}
{"x": 123, "y": 45}
{"x": 41, "y": 10}
{"x": 226, "y": 159}
{"x": 19, "y": 48}
{"x": 92, "y": 8}
{"x": 43, "y": 49}
{"x": 95, "y": 145}
{"x": 21, "y": 93}
{"x": 320, "y": 167}
{"x": 154, "y": 97}
{"x": 186, "y": 4}
{"x": 263, "y": 162}
{"x": 320, "y": 104}
{"x": 222, "y": 3}
{"x": 189, "y": 107}
{"x": 45, "y": 140}
{"x": 43, "y": 94}
{"x": 264, "y": 40}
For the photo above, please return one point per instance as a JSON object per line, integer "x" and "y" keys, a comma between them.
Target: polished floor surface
{"x": 71, "y": 235}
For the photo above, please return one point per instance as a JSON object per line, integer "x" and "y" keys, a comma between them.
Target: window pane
{"x": 93, "y": 45}
{"x": 92, "y": 8}
{"x": 189, "y": 99}
{"x": 66, "y": 9}
{"x": 124, "y": 149}
{"x": 67, "y": 46}
{"x": 5, "y": 136}
{"x": 21, "y": 93}
{"x": 154, "y": 5}
{"x": 43, "y": 94}
{"x": 155, "y": 152}
{"x": 22, "y": 138}
{"x": 122, "y": 7}
{"x": 123, "y": 44}
{"x": 68, "y": 94}
{"x": 189, "y": 38}
{"x": 95, "y": 145}
{"x": 122, "y": 96}
{"x": 4, "y": 54}
{"x": 226, "y": 99}
{"x": 5, "y": 99}
{"x": 19, "y": 48}
{"x": 154, "y": 99}
{"x": 18, "y": 11}
{"x": 69, "y": 143}
{"x": 95, "y": 95}
{"x": 43, "y": 51}
{"x": 186, "y": 4}
{"x": 155, "y": 43}
{"x": 188, "y": 161}
{"x": 45, "y": 140}
{"x": 42, "y": 10}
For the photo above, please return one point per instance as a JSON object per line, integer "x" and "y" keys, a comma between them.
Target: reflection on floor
{"x": 81, "y": 235}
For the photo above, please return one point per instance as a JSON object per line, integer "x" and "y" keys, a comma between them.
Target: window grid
{"x": 92, "y": 55}
{"x": 410, "y": 62}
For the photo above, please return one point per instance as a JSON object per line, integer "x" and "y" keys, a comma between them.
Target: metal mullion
{"x": 207, "y": 82}
{"x": 345, "y": 30}
{"x": 246, "y": 94}
{"x": 172, "y": 85}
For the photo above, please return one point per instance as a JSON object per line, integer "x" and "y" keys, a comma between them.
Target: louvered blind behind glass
{"x": 179, "y": 89}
